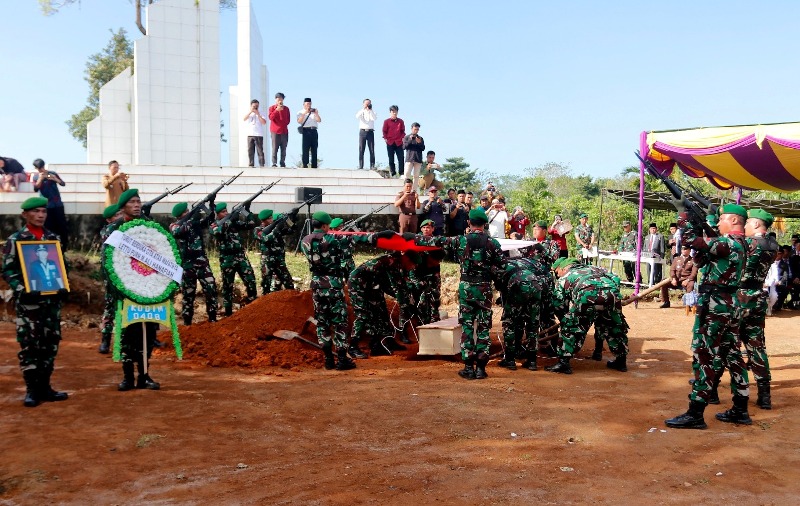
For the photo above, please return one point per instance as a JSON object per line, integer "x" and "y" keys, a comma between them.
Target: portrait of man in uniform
{"x": 43, "y": 268}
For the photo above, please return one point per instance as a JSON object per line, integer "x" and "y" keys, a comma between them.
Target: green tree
{"x": 100, "y": 69}
{"x": 457, "y": 174}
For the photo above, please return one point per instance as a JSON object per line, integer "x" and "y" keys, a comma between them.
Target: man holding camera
{"x": 459, "y": 214}
{"x": 434, "y": 210}
{"x": 115, "y": 182}
{"x": 394, "y": 131}
{"x": 47, "y": 182}
{"x": 407, "y": 201}
{"x": 497, "y": 219}
{"x": 309, "y": 119}
{"x": 519, "y": 222}
{"x": 254, "y": 127}
{"x": 366, "y": 134}
{"x": 279, "y": 118}
{"x": 414, "y": 146}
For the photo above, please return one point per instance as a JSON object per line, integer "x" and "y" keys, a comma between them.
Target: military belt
{"x": 752, "y": 284}
{"x": 471, "y": 278}
{"x": 717, "y": 288}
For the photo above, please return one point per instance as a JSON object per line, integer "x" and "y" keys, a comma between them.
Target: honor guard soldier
{"x": 232, "y": 259}
{"x": 271, "y": 240}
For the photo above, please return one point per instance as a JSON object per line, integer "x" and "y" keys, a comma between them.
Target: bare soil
{"x": 231, "y": 425}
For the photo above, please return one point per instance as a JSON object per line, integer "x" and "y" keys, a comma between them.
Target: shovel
{"x": 288, "y": 335}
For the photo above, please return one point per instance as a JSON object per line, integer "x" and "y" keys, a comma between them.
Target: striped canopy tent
{"x": 753, "y": 157}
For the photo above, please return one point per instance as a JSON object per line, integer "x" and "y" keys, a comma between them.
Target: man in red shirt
{"x": 519, "y": 222}
{"x": 394, "y": 130}
{"x": 560, "y": 239}
{"x": 279, "y": 118}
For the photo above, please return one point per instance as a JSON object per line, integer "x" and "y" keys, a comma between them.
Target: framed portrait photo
{"x": 42, "y": 266}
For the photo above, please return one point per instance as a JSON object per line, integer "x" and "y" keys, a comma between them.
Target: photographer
{"x": 497, "y": 219}
{"x": 279, "y": 118}
{"x": 47, "y": 183}
{"x": 459, "y": 213}
{"x": 558, "y": 237}
{"x": 309, "y": 119}
{"x": 414, "y": 146}
{"x": 115, "y": 182}
{"x": 434, "y": 209}
{"x": 366, "y": 134}
{"x": 519, "y": 222}
{"x": 254, "y": 128}
{"x": 407, "y": 201}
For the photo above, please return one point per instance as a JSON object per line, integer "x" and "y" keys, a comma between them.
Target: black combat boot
{"x": 354, "y": 351}
{"x": 393, "y": 345}
{"x": 562, "y": 366}
{"x": 345, "y": 364}
{"x": 31, "y": 377}
{"x": 144, "y": 381}
{"x": 212, "y": 316}
{"x": 738, "y": 413}
{"x": 128, "y": 382}
{"x": 598, "y": 350}
{"x": 327, "y": 349}
{"x": 480, "y": 369}
{"x": 530, "y": 363}
{"x": 468, "y": 372}
{"x": 105, "y": 344}
{"x": 713, "y": 395}
{"x": 508, "y": 361}
{"x": 692, "y": 419}
{"x": 764, "y": 400}
{"x": 228, "y": 311}
{"x": 377, "y": 348}
{"x": 618, "y": 364}
{"x": 46, "y": 392}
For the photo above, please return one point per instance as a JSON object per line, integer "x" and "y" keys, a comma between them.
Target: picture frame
{"x": 42, "y": 265}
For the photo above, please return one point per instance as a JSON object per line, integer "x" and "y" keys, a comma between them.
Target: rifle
{"x": 246, "y": 204}
{"x": 698, "y": 196}
{"x": 352, "y": 223}
{"x": 294, "y": 211}
{"x": 213, "y": 194}
{"x": 147, "y": 206}
{"x": 696, "y": 214}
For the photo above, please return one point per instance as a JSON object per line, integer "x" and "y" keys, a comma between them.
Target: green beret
{"x": 179, "y": 208}
{"x": 426, "y": 222}
{"x": 265, "y": 214}
{"x": 33, "y": 203}
{"x": 220, "y": 207}
{"x": 558, "y": 263}
{"x": 277, "y": 216}
{"x": 322, "y": 217}
{"x": 569, "y": 261}
{"x": 110, "y": 211}
{"x": 126, "y": 196}
{"x": 733, "y": 209}
{"x": 336, "y": 222}
{"x": 761, "y": 215}
{"x": 540, "y": 224}
{"x": 583, "y": 215}
{"x": 478, "y": 216}
{"x": 711, "y": 219}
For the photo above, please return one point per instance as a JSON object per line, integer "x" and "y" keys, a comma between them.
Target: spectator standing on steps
{"x": 279, "y": 119}
{"x": 407, "y": 201}
{"x": 254, "y": 127}
{"x": 115, "y": 182}
{"x": 394, "y": 131}
{"x": 366, "y": 134}
{"x": 47, "y": 183}
{"x": 309, "y": 119}
{"x": 414, "y": 145}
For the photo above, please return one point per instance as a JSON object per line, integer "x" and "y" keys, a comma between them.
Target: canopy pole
{"x": 600, "y": 225}
{"x": 638, "y": 271}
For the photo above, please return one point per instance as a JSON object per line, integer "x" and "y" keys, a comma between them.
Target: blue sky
{"x": 506, "y": 85}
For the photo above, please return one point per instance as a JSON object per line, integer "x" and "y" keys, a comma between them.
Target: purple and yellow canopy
{"x": 762, "y": 157}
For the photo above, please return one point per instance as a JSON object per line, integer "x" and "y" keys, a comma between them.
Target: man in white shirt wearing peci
{"x": 309, "y": 119}
{"x": 366, "y": 134}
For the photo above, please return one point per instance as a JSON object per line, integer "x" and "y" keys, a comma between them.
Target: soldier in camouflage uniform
{"x": 324, "y": 254}
{"x": 38, "y": 316}
{"x": 586, "y": 295}
{"x": 715, "y": 333}
{"x": 521, "y": 286}
{"x": 367, "y": 285}
{"x": 111, "y": 214}
{"x": 426, "y": 280}
{"x": 232, "y": 259}
{"x": 188, "y": 233}
{"x": 585, "y": 237}
{"x": 627, "y": 244}
{"x": 478, "y": 254}
{"x": 130, "y": 205}
{"x": 270, "y": 235}
{"x": 348, "y": 263}
{"x": 751, "y": 300}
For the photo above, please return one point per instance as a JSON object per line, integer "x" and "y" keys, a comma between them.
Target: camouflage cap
{"x": 126, "y": 196}
{"x": 33, "y": 203}
{"x": 761, "y": 215}
{"x": 626, "y": 223}
{"x": 110, "y": 211}
{"x": 322, "y": 217}
{"x": 733, "y": 209}
{"x": 265, "y": 214}
{"x": 179, "y": 208}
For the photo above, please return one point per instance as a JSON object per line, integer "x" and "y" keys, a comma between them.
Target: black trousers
{"x": 56, "y": 222}
{"x": 630, "y": 269}
{"x": 366, "y": 138}
{"x": 279, "y": 141}
{"x": 255, "y": 144}
{"x": 393, "y": 151}
{"x": 310, "y": 143}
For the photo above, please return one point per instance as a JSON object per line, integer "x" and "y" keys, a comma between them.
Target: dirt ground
{"x": 396, "y": 430}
